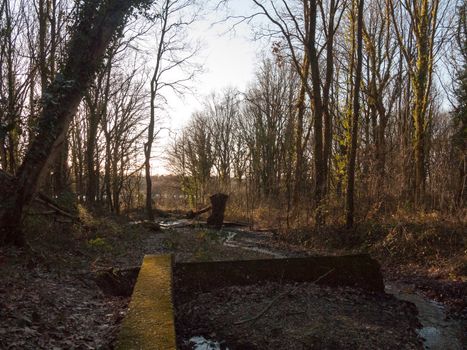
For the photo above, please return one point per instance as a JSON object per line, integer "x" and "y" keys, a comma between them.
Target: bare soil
{"x": 300, "y": 316}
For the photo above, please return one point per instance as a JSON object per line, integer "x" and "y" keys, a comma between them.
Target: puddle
{"x": 201, "y": 343}
{"x": 438, "y": 333}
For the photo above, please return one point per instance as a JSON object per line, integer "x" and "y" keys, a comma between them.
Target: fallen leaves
{"x": 310, "y": 317}
{"x": 40, "y": 309}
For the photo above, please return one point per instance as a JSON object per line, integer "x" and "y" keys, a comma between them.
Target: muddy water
{"x": 438, "y": 332}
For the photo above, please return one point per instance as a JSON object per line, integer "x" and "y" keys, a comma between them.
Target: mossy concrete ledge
{"x": 149, "y": 323}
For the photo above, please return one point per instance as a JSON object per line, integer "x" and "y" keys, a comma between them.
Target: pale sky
{"x": 229, "y": 57}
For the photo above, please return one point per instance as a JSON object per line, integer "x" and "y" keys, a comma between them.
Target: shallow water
{"x": 247, "y": 245}
{"x": 201, "y": 343}
{"x": 175, "y": 223}
{"x": 438, "y": 332}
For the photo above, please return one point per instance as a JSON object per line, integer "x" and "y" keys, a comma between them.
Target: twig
{"x": 277, "y": 298}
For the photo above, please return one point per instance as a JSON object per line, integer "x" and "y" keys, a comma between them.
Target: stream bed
{"x": 438, "y": 332}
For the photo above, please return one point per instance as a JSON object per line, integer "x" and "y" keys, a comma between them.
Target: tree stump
{"x": 218, "y": 203}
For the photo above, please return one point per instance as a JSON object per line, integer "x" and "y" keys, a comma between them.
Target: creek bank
{"x": 438, "y": 331}
{"x": 439, "y": 328}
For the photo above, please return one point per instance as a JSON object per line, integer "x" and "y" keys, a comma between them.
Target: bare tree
{"x": 424, "y": 23}
{"x": 297, "y": 23}
{"x": 172, "y": 52}
{"x": 96, "y": 24}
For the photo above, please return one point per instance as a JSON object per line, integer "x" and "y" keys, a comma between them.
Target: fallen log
{"x": 236, "y": 224}
{"x": 193, "y": 214}
{"x": 151, "y": 225}
{"x": 42, "y": 198}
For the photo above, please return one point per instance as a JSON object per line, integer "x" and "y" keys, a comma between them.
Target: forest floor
{"x": 49, "y": 300}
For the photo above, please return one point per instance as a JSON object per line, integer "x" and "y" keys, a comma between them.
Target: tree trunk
{"x": 147, "y": 154}
{"x": 356, "y": 110}
{"x": 218, "y": 203}
{"x": 299, "y": 144}
{"x": 327, "y": 144}
{"x": 318, "y": 111}
{"x": 95, "y": 27}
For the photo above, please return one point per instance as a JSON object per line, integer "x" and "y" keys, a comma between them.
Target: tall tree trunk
{"x": 299, "y": 144}
{"x": 152, "y": 121}
{"x": 147, "y": 154}
{"x": 327, "y": 145}
{"x": 423, "y": 15}
{"x": 318, "y": 110}
{"x": 96, "y": 25}
{"x": 60, "y": 175}
{"x": 349, "y": 207}
{"x": 43, "y": 25}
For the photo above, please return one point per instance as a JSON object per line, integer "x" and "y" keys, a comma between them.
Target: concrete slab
{"x": 149, "y": 323}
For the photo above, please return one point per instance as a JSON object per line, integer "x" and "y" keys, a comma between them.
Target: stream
{"x": 438, "y": 332}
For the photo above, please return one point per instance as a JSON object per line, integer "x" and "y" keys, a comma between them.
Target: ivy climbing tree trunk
{"x": 96, "y": 24}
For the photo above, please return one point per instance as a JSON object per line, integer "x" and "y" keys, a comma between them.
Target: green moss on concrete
{"x": 149, "y": 323}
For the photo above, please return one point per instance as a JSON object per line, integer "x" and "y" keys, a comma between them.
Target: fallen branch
{"x": 53, "y": 205}
{"x": 277, "y": 298}
{"x": 40, "y": 197}
{"x": 236, "y": 224}
{"x": 192, "y": 214}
